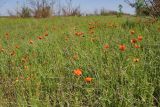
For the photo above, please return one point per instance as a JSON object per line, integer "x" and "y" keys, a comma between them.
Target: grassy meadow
{"x": 93, "y": 61}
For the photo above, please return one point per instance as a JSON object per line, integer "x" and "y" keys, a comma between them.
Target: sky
{"x": 86, "y": 6}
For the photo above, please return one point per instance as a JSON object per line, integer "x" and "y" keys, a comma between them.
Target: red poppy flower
{"x": 78, "y": 72}
{"x": 106, "y": 46}
{"x": 79, "y": 33}
{"x": 122, "y": 47}
{"x": 140, "y": 38}
{"x": 88, "y": 79}
{"x": 133, "y": 40}
{"x": 137, "y": 46}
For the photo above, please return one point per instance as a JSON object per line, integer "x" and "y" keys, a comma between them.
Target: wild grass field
{"x": 94, "y": 61}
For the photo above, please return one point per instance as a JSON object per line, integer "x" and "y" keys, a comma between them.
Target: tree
{"x": 24, "y": 12}
{"x": 42, "y": 8}
{"x": 120, "y": 10}
{"x": 154, "y": 6}
{"x": 137, "y": 4}
{"x": 150, "y": 6}
{"x": 69, "y": 10}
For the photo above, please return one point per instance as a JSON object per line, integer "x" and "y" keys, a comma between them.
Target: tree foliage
{"x": 145, "y": 7}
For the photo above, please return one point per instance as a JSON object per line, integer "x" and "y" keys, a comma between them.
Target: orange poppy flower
{"x": 79, "y": 33}
{"x": 122, "y": 47}
{"x": 133, "y": 40}
{"x": 140, "y": 38}
{"x": 106, "y": 46}
{"x": 137, "y": 46}
{"x": 78, "y": 72}
{"x": 88, "y": 79}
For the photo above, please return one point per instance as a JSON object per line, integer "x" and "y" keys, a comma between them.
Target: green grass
{"x": 41, "y": 74}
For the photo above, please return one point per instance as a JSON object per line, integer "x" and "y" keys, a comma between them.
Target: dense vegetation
{"x": 80, "y": 61}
